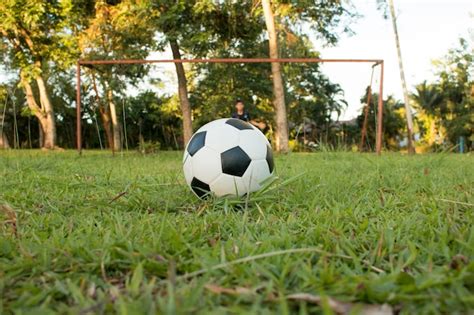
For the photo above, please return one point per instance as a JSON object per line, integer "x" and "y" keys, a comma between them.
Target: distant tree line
{"x": 42, "y": 40}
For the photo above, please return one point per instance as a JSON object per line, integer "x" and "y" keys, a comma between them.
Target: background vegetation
{"x": 42, "y": 40}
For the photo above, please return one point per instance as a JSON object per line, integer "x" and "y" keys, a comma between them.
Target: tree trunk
{"x": 4, "y": 144}
{"x": 183, "y": 93}
{"x": 39, "y": 114}
{"x": 281, "y": 119}
{"x": 115, "y": 123}
{"x": 4, "y": 141}
{"x": 364, "y": 124}
{"x": 48, "y": 112}
{"x": 45, "y": 112}
{"x": 104, "y": 115}
{"x": 411, "y": 149}
{"x": 106, "y": 122}
{"x": 432, "y": 137}
{"x": 40, "y": 135}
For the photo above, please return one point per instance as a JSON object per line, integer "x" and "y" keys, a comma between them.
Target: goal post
{"x": 374, "y": 62}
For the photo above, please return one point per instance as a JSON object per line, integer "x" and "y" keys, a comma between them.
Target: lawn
{"x": 337, "y": 232}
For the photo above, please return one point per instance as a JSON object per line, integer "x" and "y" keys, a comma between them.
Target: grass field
{"x": 102, "y": 234}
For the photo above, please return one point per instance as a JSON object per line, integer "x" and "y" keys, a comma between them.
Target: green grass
{"x": 391, "y": 229}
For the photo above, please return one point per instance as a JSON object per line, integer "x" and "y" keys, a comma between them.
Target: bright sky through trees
{"x": 427, "y": 28}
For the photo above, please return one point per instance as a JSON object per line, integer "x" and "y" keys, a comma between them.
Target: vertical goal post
{"x": 374, "y": 62}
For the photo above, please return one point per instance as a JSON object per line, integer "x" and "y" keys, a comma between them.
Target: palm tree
{"x": 428, "y": 99}
{"x": 409, "y": 117}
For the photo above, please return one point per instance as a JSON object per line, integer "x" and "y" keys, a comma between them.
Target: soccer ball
{"x": 227, "y": 157}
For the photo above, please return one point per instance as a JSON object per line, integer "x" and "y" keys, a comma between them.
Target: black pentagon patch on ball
{"x": 235, "y": 161}
{"x": 196, "y": 142}
{"x": 269, "y": 158}
{"x": 200, "y": 188}
{"x": 239, "y": 124}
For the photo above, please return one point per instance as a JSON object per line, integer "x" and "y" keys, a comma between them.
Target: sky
{"x": 427, "y": 30}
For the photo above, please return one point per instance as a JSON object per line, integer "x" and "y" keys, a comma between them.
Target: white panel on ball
{"x": 228, "y": 185}
{"x": 256, "y": 173}
{"x": 212, "y": 124}
{"x": 254, "y": 145}
{"x": 188, "y": 170}
{"x": 261, "y": 135}
{"x": 209, "y": 166}
{"x": 222, "y": 137}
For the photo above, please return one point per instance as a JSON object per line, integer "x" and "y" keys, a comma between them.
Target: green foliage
{"x": 34, "y": 32}
{"x": 388, "y": 230}
{"x": 153, "y": 119}
{"x": 450, "y": 99}
{"x": 328, "y": 18}
{"x": 25, "y": 133}
{"x": 38, "y": 40}
{"x": 309, "y": 94}
{"x": 149, "y": 147}
{"x": 457, "y": 86}
{"x": 428, "y": 100}
{"x": 393, "y": 122}
{"x": 61, "y": 31}
{"x": 428, "y": 97}
{"x": 202, "y": 26}
{"x": 117, "y": 30}
{"x": 236, "y": 29}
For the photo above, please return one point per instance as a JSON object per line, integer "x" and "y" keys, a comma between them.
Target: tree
{"x": 322, "y": 16}
{"x": 203, "y": 28}
{"x": 61, "y": 31}
{"x": 455, "y": 72}
{"x": 304, "y": 87}
{"x": 117, "y": 30}
{"x": 409, "y": 118}
{"x": 153, "y": 119}
{"x": 310, "y": 96}
{"x": 174, "y": 19}
{"x": 200, "y": 28}
{"x": 19, "y": 131}
{"x": 182, "y": 93}
{"x": 281, "y": 119}
{"x": 428, "y": 99}
{"x": 35, "y": 34}
{"x": 447, "y": 104}
{"x": 4, "y": 98}
{"x": 393, "y": 121}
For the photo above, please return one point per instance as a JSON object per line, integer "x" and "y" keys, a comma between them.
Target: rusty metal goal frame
{"x": 374, "y": 62}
